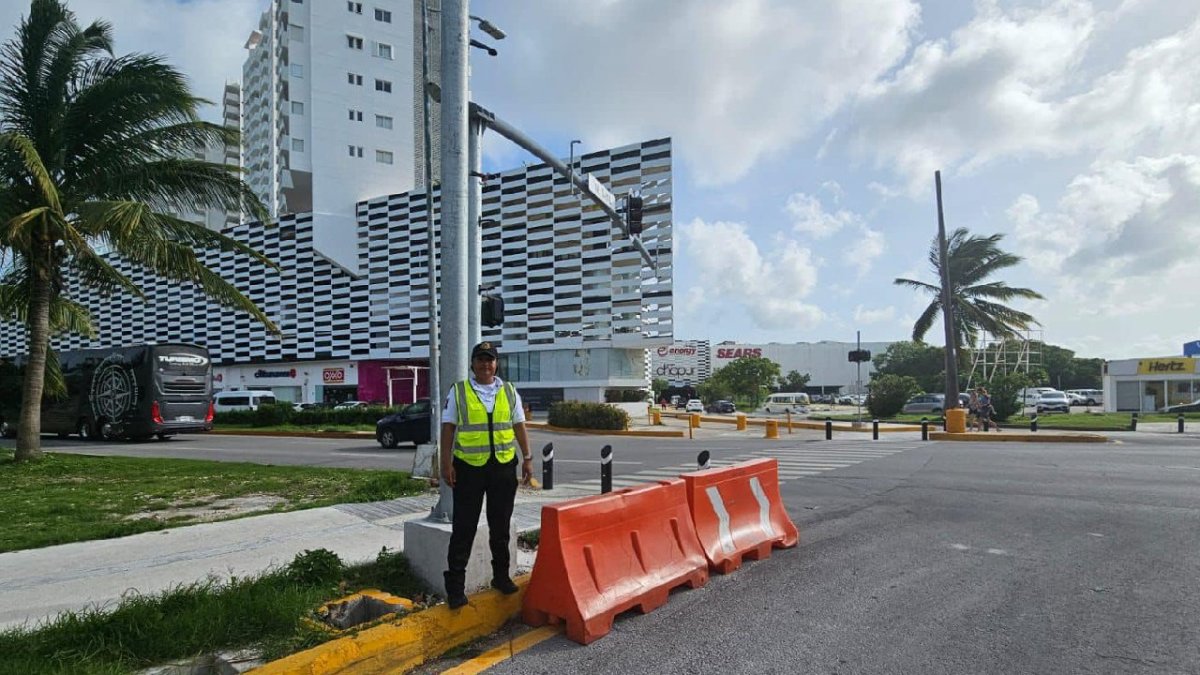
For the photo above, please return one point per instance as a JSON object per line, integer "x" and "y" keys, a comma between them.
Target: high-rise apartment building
{"x": 327, "y": 110}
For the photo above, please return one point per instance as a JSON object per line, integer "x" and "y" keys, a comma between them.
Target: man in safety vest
{"x": 483, "y": 422}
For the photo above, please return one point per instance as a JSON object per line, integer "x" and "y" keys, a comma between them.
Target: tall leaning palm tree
{"x": 978, "y": 303}
{"x": 95, "y": 154}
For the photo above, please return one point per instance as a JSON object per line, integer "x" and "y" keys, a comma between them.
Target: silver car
{"x": 925, "y": 403}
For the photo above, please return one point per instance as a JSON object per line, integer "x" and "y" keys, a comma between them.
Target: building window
{"x": 297, "y": 32}
{"x": 354, "y": 42}
{"x": 297, "y": 145}
{"x": 383, "y": 157}
{"x": 383, "y": 121}
{"x": 354, "y": 78}
{"x": 383, "y": 85}
{"x": 354, "y": 7}
{"x": 297, "y": 70}
{"x": 355, "y": 150}
{"x": 355, "y": 115}
{"x": 383, "y": 15}
{"x": 297, "y": 107}
{"x": 383, "y": 51}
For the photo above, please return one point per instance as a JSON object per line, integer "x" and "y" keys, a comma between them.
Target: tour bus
{"x": 786, "y": 402}
{"x": 131, "y": 392}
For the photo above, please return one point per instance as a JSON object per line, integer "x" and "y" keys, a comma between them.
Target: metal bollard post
{"x": 548, "y": 467}
{"x": 987, "y": 423}
{"x": 606, "y": 469}
{"x": 1033, "y": 422}
{"x": 1133, "y": 422}
{"x": 874, "y": 430}
{"x": 924, "y": 428}
{"x": 702, "y": 459}
{"x": 1181, "y": 423}
{"x": 829, "y": 428}
{"x": 789, "y": 421}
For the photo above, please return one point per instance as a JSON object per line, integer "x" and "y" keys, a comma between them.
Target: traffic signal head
{"x": 491, "y": 312}
{"x": 634, "y": 214}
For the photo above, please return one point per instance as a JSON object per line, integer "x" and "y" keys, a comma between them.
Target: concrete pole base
{"x": 426, "y": 543}
{"x": 423, "y": 460}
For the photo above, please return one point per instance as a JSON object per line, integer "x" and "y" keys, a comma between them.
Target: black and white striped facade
{"x": 581, "y": 306}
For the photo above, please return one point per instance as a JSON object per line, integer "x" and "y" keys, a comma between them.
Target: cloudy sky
{"x": 806, "y": 135}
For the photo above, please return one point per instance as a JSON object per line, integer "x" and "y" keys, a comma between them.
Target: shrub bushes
{"x": 889, "y": 393}
{"x": 283, "y": 413}
{"x": 581, "y": 415}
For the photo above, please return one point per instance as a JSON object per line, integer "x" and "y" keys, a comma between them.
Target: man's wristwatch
{"x": 527, "y": 458}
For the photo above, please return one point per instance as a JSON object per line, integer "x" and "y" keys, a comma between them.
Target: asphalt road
{"x": 914, "y": 557}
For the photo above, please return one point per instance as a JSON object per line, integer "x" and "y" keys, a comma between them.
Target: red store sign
{"x": 333, "y": 375}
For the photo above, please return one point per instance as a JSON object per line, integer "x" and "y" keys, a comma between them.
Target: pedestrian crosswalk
{"x": 794, "y": 462}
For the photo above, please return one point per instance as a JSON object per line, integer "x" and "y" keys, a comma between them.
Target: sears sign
{"x": 737, "y": 352}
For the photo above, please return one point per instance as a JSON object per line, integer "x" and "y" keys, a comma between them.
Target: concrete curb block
{"x": 296, "y": 434}
{"x": 408, "y": 642}
{"x": 807, "y": 423}
{"x": 1018, "y": 437}
{"x": 607, "y": 432}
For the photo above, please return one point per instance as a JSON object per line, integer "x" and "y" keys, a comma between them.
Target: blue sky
{"x": 806, "y": 135}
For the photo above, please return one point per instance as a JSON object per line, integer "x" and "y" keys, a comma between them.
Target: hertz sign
{"x": 1166, "y": 366}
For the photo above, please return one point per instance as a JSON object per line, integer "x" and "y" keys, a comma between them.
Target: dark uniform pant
{"x": 498, "y": 482}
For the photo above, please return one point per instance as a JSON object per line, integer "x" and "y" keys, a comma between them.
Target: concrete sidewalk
{"x": 37, "y": 584}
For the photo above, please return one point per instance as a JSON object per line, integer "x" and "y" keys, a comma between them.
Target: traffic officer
{"x": 481, "y": 418}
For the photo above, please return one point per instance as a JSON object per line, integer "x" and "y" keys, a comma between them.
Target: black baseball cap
{"x": 484, "y": 349}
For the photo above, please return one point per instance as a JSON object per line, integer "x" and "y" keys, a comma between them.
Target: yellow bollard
{"x": 772, "y": 429}
{"x": 741, "y": 422}
{"x": 656, "y": 418}
{"x": 695, "y": 420}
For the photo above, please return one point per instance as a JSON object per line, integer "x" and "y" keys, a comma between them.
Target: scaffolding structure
{"x": 994, "y": 356}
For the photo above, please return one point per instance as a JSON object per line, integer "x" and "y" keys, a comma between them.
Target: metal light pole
{"x": 474, "y": 230}
{"x": 435, "y": 394}
{"x": 453, "y": 364}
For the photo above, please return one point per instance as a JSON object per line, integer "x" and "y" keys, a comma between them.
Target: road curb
{"x": 409, "y": 641}
{"x": 295, "y": 434}
{"x": 1018, "y": 437}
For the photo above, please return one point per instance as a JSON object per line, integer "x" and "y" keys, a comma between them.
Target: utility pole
{"x": 474, "y": 229}
{"x": 453, "y": 364}
{"x": 947, "y": 304}
{"x": 435, "y": 394}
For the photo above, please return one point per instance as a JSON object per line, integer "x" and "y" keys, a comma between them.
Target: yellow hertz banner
{"x": 1166, "y": 366}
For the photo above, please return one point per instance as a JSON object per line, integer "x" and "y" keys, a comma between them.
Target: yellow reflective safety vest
{"x": 480, "y": 434}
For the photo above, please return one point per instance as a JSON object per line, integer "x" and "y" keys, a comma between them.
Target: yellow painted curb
{"x": 608, "y": 432}
{"x": 1018, "y": 437}
{"x": 407, "y": 643}
{"x": 505, "y": 651}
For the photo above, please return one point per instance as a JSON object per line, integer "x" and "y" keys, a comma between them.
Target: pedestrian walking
{"x": 986, "y": 410}
{"x": 974, "y": 423}
{"x": 482, "y": 424}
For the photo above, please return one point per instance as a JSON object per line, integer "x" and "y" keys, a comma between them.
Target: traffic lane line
{"x": 505, "y": 651}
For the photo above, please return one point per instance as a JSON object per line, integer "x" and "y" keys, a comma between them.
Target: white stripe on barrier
{"x": 714, "y": 498}
{"x": 764, "y": 507}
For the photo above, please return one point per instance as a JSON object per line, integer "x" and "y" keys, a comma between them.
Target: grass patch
{"x": 65, "y": 498}
{"x": 261, "y": 612}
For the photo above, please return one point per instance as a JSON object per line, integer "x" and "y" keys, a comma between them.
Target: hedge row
{"x": 580, "y": 415}
{"x": 282, "y": 413}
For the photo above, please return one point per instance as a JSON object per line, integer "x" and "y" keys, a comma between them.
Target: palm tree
{"x": 95, "y": 153}
{"x": 977, "y": 302}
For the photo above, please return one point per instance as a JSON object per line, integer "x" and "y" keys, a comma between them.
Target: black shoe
{"x": 504, "y": 585}
{"x": 456, "y": 600}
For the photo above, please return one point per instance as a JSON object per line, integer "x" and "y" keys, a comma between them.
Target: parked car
{"x": 1075, "y": 399}
{"x": 724, "y": 407}
{"x": 410, "y": 425}
{"x": 694, "y": 405}
{"x": 1053, "y": 401}
{"x": 346, "y": 405}
{"x": 1029, "y": 396}
{"x": 1194, "y": 406}
{"x": 1089, "y": 396}
{"x": 226, "y": 401}
{"x": 925, "y": 403}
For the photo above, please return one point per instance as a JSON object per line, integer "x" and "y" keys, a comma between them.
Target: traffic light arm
{"x": 513, "y": 134}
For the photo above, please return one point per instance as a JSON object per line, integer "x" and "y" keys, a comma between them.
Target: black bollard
{"x": 606, "y": 469}
{"x": 702, "y": 459}
{"x": 829, "y": 428}
{"x": 1181, "y": 423}
{"x": 875, "y": 430}
{"x": 1133, "y": 422}
{"x": 548, "y": 467}
{"x": 924, "y": 428}
{"x": 1033, "y": 422}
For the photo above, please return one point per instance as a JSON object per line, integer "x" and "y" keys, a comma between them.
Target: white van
{"x": 1089, "y": 396}
{"x": 786, "y": 402}
{"x": 225, "y": 401}
{"x": 1030, "y": 396}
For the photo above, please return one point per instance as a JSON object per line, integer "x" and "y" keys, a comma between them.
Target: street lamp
{"x": 488, "y": 27}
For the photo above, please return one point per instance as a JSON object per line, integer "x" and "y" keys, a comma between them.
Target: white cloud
{"x": 810, "y": 217}
{"x": 772, "y": 288}
{"x": 1010, "y": 83}
{"x": 866, "y": 248}
{"x": 865, "y": 316}
{"x": 733, "y": 81}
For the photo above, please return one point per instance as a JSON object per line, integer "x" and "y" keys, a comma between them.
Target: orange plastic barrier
{"x": 600, "y": 556}
{"x": 738, "y": 513}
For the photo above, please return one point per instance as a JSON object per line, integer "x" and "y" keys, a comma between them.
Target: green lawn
{"x": 65, "y": 498}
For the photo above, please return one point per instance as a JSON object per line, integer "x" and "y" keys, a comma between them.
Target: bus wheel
{"x": 107, "y": 432}
{"x": 6, "y": 430}
{"x": 85, "y": 431}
